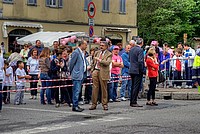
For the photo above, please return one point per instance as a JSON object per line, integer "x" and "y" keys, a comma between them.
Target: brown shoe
{"x": 105, "y": 107}
{"x": 92, "y": 107}
{"x": 136, "y": 105}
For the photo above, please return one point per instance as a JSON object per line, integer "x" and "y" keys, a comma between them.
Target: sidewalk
{"x": 177, "y": 94}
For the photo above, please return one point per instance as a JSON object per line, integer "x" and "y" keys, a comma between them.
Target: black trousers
{"x": 56, "y": 91}
{"x": 88, "y": 89}
{"x": 66, "y": 92}
{"x": 6, "y": 95}
{"x": 136, "y": 82}
{"x": 152, "y": 87}
{"x": 177, "y": 76}
{"x": 33, "y": 84}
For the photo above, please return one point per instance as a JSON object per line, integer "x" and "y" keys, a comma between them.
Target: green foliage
{"x": 168, "y": 20}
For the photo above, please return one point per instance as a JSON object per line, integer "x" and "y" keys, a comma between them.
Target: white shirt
{"x": 84, "y": 62}
{"x": 1, "y": 68}
{"x": 33, "y": 65}
{"x": 9, "y": 79}
{"x": 102, "y": 52}
{"x": 20, "y": 72}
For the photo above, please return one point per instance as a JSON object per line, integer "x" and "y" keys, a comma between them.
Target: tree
{"x": 166, "y": 20}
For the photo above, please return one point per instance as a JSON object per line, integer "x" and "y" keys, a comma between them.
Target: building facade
{"x": 116, "y": 19}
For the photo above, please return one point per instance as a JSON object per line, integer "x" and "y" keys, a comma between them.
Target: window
{"x": 122, "y": 6}
{"x": 106, "y": 5}
{"x": 60, "y": 3}
{"x": 8, "y": 1}
{"x": 54, "y": 3}
{"x": 32, "y": 2}
{"x": 86, "y": 4}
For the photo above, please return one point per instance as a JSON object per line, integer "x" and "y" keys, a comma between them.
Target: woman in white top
{"x": 24, "y": 53}
{"x": 33, "y": 71}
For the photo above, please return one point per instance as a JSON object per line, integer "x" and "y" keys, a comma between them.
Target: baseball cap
{"x": 115, "y": 48}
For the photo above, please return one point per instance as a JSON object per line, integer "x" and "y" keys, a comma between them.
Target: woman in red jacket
{"x": 152, "y": 67}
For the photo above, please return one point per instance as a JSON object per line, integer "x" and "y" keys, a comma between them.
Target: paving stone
{"x": 193, "y": 96}
{"x": 180, "y": 95}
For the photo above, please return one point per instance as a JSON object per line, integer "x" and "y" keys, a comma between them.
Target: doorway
{"x": 115, "y": 38}
{"x": 13, "y": 36}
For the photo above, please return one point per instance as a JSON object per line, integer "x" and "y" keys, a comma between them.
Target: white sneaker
{"x": 123, "y": 99}
{"x": 190, "y": 87}
{"x": 179, "y": 87}
{"x": 81, "y": 103}
{"x": 110, "y": 100}
{"x": 186, "y": 86}
{"x": 175, "y": 86}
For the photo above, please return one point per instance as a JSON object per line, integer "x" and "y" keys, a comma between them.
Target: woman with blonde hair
{"x": 44, "y": 65}
{"x": 152, "y": 67}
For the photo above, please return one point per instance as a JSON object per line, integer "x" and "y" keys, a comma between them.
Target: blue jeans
{"x": 0, "y": 95}
{"x": 188, "y": 74}
{"x": 114, "y": 86}
{"x": 77, "y": 85}
{"x": 44, "y": 76}
{"x": 126, "y": 85}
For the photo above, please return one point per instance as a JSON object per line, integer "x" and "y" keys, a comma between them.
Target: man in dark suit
{"x": 78, "y": 69}
{"x": 136, "y": 58}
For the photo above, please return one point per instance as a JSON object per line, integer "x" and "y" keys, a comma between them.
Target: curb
{"x": 178, "y": 95}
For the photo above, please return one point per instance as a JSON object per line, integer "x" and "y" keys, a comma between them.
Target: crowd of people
{"x": 64, "y": 70}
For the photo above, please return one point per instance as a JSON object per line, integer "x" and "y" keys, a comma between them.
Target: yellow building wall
{"x": 72, "y": 10}
{"x": 67, "y": 17}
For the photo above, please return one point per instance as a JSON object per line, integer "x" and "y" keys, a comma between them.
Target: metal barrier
{"x": 169, "y": 72}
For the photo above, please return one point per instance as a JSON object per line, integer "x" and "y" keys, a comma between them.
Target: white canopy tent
{"x": 47, "y": 38}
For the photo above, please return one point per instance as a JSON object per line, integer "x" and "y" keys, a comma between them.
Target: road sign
{"x": 91, "y": 31}
{"x": 91, "y": 40}
{"x": 91, "y": 10}
{"x": 91, "y": 22}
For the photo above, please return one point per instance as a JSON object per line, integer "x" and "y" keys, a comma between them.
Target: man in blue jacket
{"x": 126, "y": 84}
{"x": 78, "y": 71}
{"x": 38, "y": 46}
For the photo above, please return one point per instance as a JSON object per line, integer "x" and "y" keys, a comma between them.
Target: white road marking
{"x": 63, "y": 125}
{"x": 66, "y": 125}
{"x": 44, "y": 110}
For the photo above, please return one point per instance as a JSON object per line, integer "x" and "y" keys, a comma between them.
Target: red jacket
{"x": 152, "y": 67}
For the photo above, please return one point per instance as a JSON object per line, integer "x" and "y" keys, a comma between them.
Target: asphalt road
{"x": 170, "y": 117}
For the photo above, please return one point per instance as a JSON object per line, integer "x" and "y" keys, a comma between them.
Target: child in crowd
{"x": 8, "y": 82}
{"x": 189, "y": 53}
{"x": 20, "y": 84}
{"x": 178, "y": 67}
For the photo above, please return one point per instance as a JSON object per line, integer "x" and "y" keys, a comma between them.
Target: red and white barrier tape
{"x": 53, "y": 80}
{"x": 39, "y": 88}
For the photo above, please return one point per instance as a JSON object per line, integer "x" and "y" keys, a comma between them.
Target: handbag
{"x": 161, "y": 77}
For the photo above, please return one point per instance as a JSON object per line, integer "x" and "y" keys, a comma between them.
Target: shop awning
{"x": 47, "y": 38}
{"x": 117, "y": 29}
{"x": 21, "y": 25}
